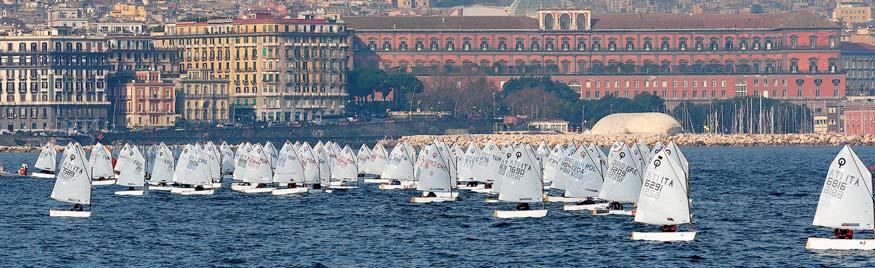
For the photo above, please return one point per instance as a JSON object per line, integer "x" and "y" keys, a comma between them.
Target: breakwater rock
{"x": 681, "y": 139}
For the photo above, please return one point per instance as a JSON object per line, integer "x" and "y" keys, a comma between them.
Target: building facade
{"x": 278, "y": 70}
{"x": 146, "y": 102}
{"x": 698, "y": 58}
{"x": 202, "y": 98}
{"x": 858, "y": 60}
{"x": 51, "y": 82}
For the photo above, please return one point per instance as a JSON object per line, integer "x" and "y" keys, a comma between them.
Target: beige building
{"x": 204, "y": 98}
{"x": 852, "y": 12}
{"x": 278, "y": 70}
{"x": 129, "y": 12}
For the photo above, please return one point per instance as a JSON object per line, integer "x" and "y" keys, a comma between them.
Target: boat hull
{"x": 160, "y": 188}
{"x": 37, "y": 175}
{"x": 217, "y": 185}
{"x": 815, "y": 243}
{"x": 482, "y": 190}
{"x": 102, "y": 182}
{"x": 396, "y": 186}
{"x": 510, "y": 214}
{"x": 664, "y": 236}
{"x": 239, "y": 187}
{"x": 422, "y": 199}
{"x": 602, "y": 212}
{"x": 562, "y": 199}
{"x": 69, "y": 214}
{"x": 343, "y": 187}
{"x": 288, "y": 191}
{"x": 376, "y": 181}
{"x": 257, "y": 190}
{"x": 191, "y": 191}
{"x": 466, "y": 187}
{"x": 130, "y": 193}
{"x": 570, "y": 207}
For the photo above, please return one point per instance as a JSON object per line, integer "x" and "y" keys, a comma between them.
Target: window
{"x": 484, "y": 44}
{"x": 812, "y": 65}
{"x": 647, "y": 44}
{"x": 794, "y": 41}
{"x": 548, "y": 44}
{"x": 450, "y": 46}
{"x": 630, "y": 45}
{"x": 713, "y": 44}
{"x": 699, "y": 44}
{"x": 664, "y": 46}
{"x": 794, "y": 65}
{"x": 502, "y": 44}
{"x": 595, "y": 44}
{"x": 612, "y": 44}
{"x": 581, "y": 44}
{"x": 433, "y": 44}
{"x": 535, "y": 45}
{"x": 519, "y": 44}
{"x": 812, "y": 41}
{"x": 386, "y": 45}
{"x": 466, "y": 44}
{"x": 682, "y": 44}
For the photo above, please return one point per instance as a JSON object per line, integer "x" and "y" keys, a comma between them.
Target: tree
{"x": 365, "y": 81}
{"x": 540, "y": 97}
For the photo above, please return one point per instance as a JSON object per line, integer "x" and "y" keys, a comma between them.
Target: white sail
{"x": 446, "y": 154}
{"x": 362, "y": 157}
{"x": 324, "y": 163}
{"x": 602, "y": 158}
{"x": 487, "y": 165}
{"x": 311, "y": 164}
{"x": 100, "y": 162}
{"x": 190, "y": 170}
{"x": 259, "y": 164}
{"x": 434, "y": 173}
{"x": 73, "y": 184}
{"x": 552, "y": 163}
{"x": 582, "y": 172}
{"x": 123, "y": 158}
{"x": 213, "y": 161}
{"x": 227, "y": 158}
{"x": 399, "y": 165}
{"x": 466, "y": 164}
{"x": 676, "y": 154}
{"x": 271, "y": 153}
{"x": 377, "y": 160}
{"x": 664, "y": 196}
{"x": 289, "y": 168}
{"x": 344, "y": 165}
{"x": 623, "y": 178}
{"x": 241, "y": 159}
{"x": 133, "y": 172}
{"x": 520, "y": 179}
{"x": 162, "y": 170}
{"x": 846, "y": 199}
{"x": 47, "y": 158}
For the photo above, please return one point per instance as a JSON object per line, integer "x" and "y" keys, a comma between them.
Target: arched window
{"x": 812, "y": 41}
{"x": 581, "y": 22}
{"x": 812, "y": 65}
{"x": 794, "y": 65}
{"x": 794, "y": 41}
{"x": 564, "y": 22}
{"x": 548, "y": 21}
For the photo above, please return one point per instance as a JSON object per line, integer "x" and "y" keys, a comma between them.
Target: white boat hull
{"x": 815, "y": 243}
{"x": 482, "y": 190}
{"x": 562, "y": 199}
{"x": 396, "y": 186}
{"x": 37, "y": 175}
{"x": 664, "y": 236}
{"x": 257, "y": 190}
{"x": 376, "y": 181}
{"x": 160, "y": 188}
{"x": 129, "y": 193}
{"x": 217, "y": 185}
{"x": 510, "y": 214}
{"x": 239, "y": 187}
{"x": 288, "y": 191}
{"x": 343, "y": 187}
{"x": 491, "y": 201}
{"x": 102, "y": 182}
{"x": 585, "y": 207}
{"x": 422, "y": 199}
{"x": 466, "y": 187}
{"x": 602, "y": 212}
{"x": 69, "y": 214}
{"x": 191, "y": 191}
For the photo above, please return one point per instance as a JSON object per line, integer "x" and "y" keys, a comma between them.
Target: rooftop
{"x": 795, "y": 20}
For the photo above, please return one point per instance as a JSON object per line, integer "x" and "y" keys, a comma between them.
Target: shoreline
{"x": 684, "y": 140}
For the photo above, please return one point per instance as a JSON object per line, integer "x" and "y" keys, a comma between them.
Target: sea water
{"x": 751, "y": 206}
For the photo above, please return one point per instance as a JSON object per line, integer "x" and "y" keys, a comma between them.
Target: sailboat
{"x": 521, "y": 183}
{"x": 361, "y": 159}
{"x": 101, "y": 165}
{"x": 583, "y": 180}
{"x": 488, "y": 166}
{"x": 260, "y": 172}
{"x": 375, "y": 165}
{"x": 46, "y": 162}
{"x": 399, "y": 169}
{"x": 466, "y": 168}
{"x": 73, "y": 184}
{"x": 227, "y": 160}
{"x": 289, "y": 171}
{"x": 622, "y": 182}
{"x": 665, "y": 201}
{"x": 213, "y": 163}
{"x": 162, "y": 169}
{"x": 132, "y": 173}
{"x": 271, "y": 153}
{"x": 311, "y": 168}
{"x": 845, "y": 204}
{"x": 191, "y": 174}
{"x": 434, "y": 177}
{"x": 241, "y": 167}
{"x": 344, "y": 170}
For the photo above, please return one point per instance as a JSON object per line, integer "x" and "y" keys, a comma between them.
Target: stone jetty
{"x": 687, "y": 140}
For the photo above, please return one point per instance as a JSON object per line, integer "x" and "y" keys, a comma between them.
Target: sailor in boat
{"x": 22, "y": 170}
{"x": 292, "y": 185}
{"x": 588, "y": 201}
{"x": 395, "y": 182}
{"x": 472, "y": 184}
{"x": 487, "y": 186}
{"x": 76, "y": 207}
{"x": 317, "y": 186}
{"x": 844, "y": 233}
{"x": 131, "y": 188}
{"x": 431, "y": 194}
{"x": 199, "y": 188}
{"x": 522, "y": 206}
{"x": 668, "y": 228}
{"x": 615, "y": 206}
{"x": 260, "y": 185}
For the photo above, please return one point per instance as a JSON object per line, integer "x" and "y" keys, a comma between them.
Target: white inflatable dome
{"x": 637, "y": 124}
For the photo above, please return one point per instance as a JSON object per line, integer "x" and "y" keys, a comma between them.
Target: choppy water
{"x": 752, "y": 206}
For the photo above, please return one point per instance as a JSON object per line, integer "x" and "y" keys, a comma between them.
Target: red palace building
{"x": 793, "y": 56}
